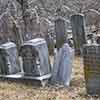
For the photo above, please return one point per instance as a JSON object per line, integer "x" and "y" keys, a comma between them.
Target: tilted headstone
{"x": 91, "y": 59}
{"x": 78, "y": 31}
{"x": 62, "y": 69}
{"x": 60, "y": 32}
{"x": 34, "y": 54}
{"x": 9, "y": 62}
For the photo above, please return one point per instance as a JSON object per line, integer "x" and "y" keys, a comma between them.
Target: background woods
{"x": 21, "y": 20}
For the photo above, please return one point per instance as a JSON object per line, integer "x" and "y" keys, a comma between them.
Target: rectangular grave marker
{"x": 78, "y": 31}
{"x": 60, "y": 32}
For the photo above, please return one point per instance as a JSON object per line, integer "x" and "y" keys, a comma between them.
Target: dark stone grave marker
{"x": 60, "y": 32}
{"x": 91, "y": 59}
{"x": 78, "y": 32}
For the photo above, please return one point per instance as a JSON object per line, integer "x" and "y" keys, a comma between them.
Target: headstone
{"x": 44, "y": 25}
{"x": 60, "y": 32}
{"x": 78, "y": 31}
{"x": 35, "y": 56}
{"x": 62, "y": 69}
{"x": 44, "y": 28}
{"x": 32, "y": 27}
{"x": 91, "y": 59}
{"x": 50, "y": 44}
{"x": 9, "y": 62}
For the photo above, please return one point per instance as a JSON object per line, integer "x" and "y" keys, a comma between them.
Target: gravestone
{"x": 9, "y": 62}
{"x": 91, "y": 59}
{"x": 44, "y": 28}
{"x": 60, "y": 32}
{"x": 32, "y": 27}
{"x": 62, "y": 69}
{"x": 50, "y": 44}
{"x": 35, "y": 56}
{"x": 78, "y": 31}
{"x": 44, "y": 25}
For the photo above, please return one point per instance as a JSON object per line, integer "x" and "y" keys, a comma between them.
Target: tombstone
{"x": 50, "y": 44}
{"x": 62, "y": 69}
{"x": 9, "y": 62}
{"x": 44, "y": 25}
{"x": 78, "y": 32}
{"x": 60, "y": 32}
{"x": 44, "y": 28}
{"x": 91, "y": 59}
{"x": 32, "y": 27}
{"x": 35, "y": 56}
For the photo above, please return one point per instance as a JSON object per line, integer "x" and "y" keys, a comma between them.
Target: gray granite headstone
{"x": 9, "y": 62}
{"x": 91, "y": 59}
{"x": 44, "y": 27}
{"x": 60, "y": 32}
{"x": 62, "y": 69}
{"x": 35, "y": 56}
{"x": 78, "y": 31}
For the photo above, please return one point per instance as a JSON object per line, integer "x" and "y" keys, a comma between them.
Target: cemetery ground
{"x": 10, "y": 90}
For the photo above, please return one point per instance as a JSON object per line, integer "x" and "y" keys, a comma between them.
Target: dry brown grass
{"x": 19, "y": 91}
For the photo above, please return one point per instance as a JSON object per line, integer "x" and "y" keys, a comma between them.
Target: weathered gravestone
{"x": 62, "y": 69}
{"x": 9, "y": 63}
{"x": 78, "y": 31}
{"x": 34, "y": 54}
{"x": 44, "y": 27}
{"x": 32, "y": 28}
{"x": 91, "y": 59}
{"x": 60, "y": 32}
{"x": 50, "y": 44}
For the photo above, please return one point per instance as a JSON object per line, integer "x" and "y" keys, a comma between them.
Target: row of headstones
{"x": 79, "y": 35}
{"x": 78, "y": 32}
{"x": 35, "y": 60}
{"x": 90, "y": 52}
{"x": 34, "y": 54}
